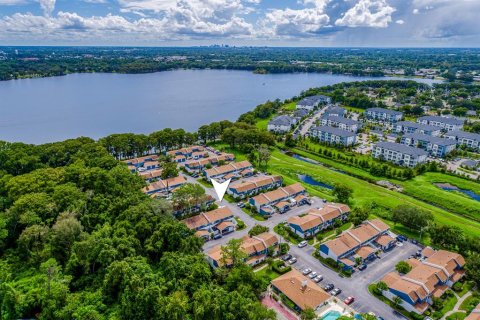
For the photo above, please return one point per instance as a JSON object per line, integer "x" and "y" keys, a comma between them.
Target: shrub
{"x": 280, "y": 267}
{"x": 284, "y": 247}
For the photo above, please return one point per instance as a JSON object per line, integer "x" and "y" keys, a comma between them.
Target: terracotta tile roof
{"x": 202, "y": 233}
{"x": 301, "y": 290}
{"x": 224, "y": 225}
{"x": 204, "y": 219}
{"x": 427, "y": 252}
{"x": 141, "y": 159}
{"x": 364, "y": 252}
{"x": 384, "y": 240}
{"x": 282, "y": 204}
{"x": 347, "y": 262}
{"x": 186, "y": 150}
{"x": 162, "y": 184}
{"x": 439, "y": 290}
{"x": 269, "y": 238}
{"x": 231, "y": 167}
{"x": 447, "y": 260}
{"x": 475, "y": 314}
{"x": 278, "y": 194}
{"x": 316, "y": 217}
{"x": 255, "y": 183}
{"x": 350, "y": 239}
{"x": 151, "y": 174}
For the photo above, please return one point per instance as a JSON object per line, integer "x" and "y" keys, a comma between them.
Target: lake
{"x": 95, "y": 105}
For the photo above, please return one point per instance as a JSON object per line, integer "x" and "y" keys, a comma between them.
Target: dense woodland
{"x": 26, "y": 62}
{"x": 78, "y": 240}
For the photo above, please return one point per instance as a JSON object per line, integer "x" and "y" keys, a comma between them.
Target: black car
{"x": 287, "y": 257}
{"x": 401, "y": 238}
{"x": 328, "y": 287}
{"x": 362, "y": 267}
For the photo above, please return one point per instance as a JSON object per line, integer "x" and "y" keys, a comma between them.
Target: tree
{"x": 263, "y": 155}
{"x": 232, "y": 254}
{"x": 308, "y": 314}
{"x": 169, "y": 170}
{"x": 358, "y": 215}
{"x": 342, "y": 193}
{"x": 290, "y": 141}
{"x": 257, "y": 229}
{"x": 412, "y": 217}
{"x": 472, "y": 267}
{"x": 381, "y": 286}
{"x": 403, "y": 267}
{"x": 448, "y": 237}
{"x": 397, "y": 302}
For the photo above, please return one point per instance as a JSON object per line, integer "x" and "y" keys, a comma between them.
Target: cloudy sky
{"x": 380, "y": 23}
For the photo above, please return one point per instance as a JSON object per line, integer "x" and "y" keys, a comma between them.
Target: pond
{"x": 311, "y": 181}
{"x": 449, "y": 187}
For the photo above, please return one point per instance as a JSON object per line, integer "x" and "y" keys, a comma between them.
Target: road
{"x": 356, "y": 286}
{"x": 307, "y": 123}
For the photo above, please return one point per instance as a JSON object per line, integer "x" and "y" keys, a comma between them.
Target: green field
{"x": 363, "y": 192}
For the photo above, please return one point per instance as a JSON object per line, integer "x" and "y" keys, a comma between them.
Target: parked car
{"x": 349, "y": 300}
{"x": 302, "y": 244}
{"x": 312, "y": 275}
{"x": 362, "y": 267}
{"x": 335, "y": 292}
{"x": 292, "y": 261}
{"x": 328, "y": 287}
{"x": 401, "y": 238}
{"x": 218, "y": 236}
{"x": 306, "y": 271}
{"x": 317, "y": 279}
{"x": 287, "y": 257}
{"x": 240, "y": 204}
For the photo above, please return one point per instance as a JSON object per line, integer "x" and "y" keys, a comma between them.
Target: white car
{"x": 312, "y": 275}
{"x": 302, "y": 244}
{"x": 306, "y": 271}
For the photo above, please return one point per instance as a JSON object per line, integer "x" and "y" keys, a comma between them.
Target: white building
{"x": 281, "y": 124}
{"x": 447, "y": 124}
{"x": 312, "y": 102}
{"x": 341, "y": 123}
{"x": 399, "y": 154}
{"x": 383, "y": 115}
{"x": 333, "y": 135}
{"x": 469, "y": 139}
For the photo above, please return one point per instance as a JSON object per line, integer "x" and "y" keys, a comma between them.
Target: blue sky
{"x": 373, "y": 23}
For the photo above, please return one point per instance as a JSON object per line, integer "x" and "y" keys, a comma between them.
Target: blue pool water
{"x": 331, "y": 315}
{"x": 311, "y": 181}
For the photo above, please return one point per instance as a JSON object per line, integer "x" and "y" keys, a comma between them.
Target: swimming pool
{"x": 331, "y": 315}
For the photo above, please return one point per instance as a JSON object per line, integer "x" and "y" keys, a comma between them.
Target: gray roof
{"x": 398, "y": 147}
{"x": 435, "y": 140}
{"x": 340, "y": 120}
{"x": 335, "y": 131}
{"x": 383, "y": 110}
{"x": 418, "y": 126}
{"x": 464, "y": 134}
{"x": 469, "y": 163}
{"x": 281, "y": 121}
{"x": 300, "y": 113}
{"x": 311, "y": 100}
{"x": 446, "y": 120}
{"x": 335, "y": 110}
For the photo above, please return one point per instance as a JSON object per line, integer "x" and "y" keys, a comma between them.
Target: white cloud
{"x": 399, "y": 21}
{"x": 415, "y": 11}
{"x": 47, "y": 6}
{"x": 367, "y": 13}
{"x": 11, "y": 2}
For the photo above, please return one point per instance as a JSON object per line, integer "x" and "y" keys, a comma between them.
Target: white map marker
{"x": 220, "y": 188}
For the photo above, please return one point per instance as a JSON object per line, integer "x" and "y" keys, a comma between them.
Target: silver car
{"x": 312, "y": 275}
{"x": 306, "y": 271}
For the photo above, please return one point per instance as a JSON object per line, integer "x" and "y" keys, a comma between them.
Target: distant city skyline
{"x": 329, "y": 23}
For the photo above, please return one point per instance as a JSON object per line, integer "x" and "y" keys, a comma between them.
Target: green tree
{"x": 403, "y": 267}
{"x": 169, "y": 170}
{"x": 257, "y": 229}
{"x": 342, "y": 193}
{"x": 308, "y": 314}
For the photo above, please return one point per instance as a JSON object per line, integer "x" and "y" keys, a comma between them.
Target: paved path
{"x": 280, "y": 309}
{"x": 307, "y": 123}
{"x": 458, "y": 304}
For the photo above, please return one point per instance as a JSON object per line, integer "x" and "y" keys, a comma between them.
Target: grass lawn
{"x": 363, "y": 191}
{"x": 467, "y": 286}
{"x": 328, "y": 233}
{"x": 286, "y": 235}
{"x": 240, "y": 224}
{"x": 470, "y": 303}
{"x": 204, "y": 183}
{"x": 266, "y": 272}
{"x": 255, "y": 216}
{"x": 457, "y": 316}
{"x": 449, "y": 304}
{"x": 371, "y": 289}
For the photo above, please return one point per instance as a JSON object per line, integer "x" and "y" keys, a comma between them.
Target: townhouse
{"x": 468, "y": 139}
{"x": 333, "y": 135}
{"x": 428, "y": 278}
{"x": 164, "y": 186}
{"x": 281, "y": 124}
{"x": 383, "y": 115}
{"x": 151, "y": 175}
{"x": 445, "y": 123}
{"x": 340, "y": 122}
{"x": 281, "y": 199}
{"x": 317, "y": 220}
{"x": 475, "y": 314}
{"x": 256, "y": 249}
{"x": 216, "y": 222}
{"x": 310, "y": 103}
{"x": 189, "y": 152}
{"x": 192, "y": 205}
{"x": 300, "y": 290}
{"x": 399, "y": 154}
{"x": 142, "y": 163}
{"x": 254, "y": 185}
{"x": 335, "y": 112}
{"x": 357, "y": 243}
{"x": 414, "y": 127}
{"x": 200, "y": 164}
{"x": 232, "y": 170}
{"x": 435, "y": 146}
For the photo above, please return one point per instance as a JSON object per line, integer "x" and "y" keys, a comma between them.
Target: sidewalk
{"x": 280, "y": 310}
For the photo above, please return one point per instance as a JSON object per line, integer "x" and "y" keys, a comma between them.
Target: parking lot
{"x": 357, "y": 285}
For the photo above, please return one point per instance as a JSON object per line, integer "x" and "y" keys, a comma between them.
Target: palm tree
{"x": 397, "y": 302}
